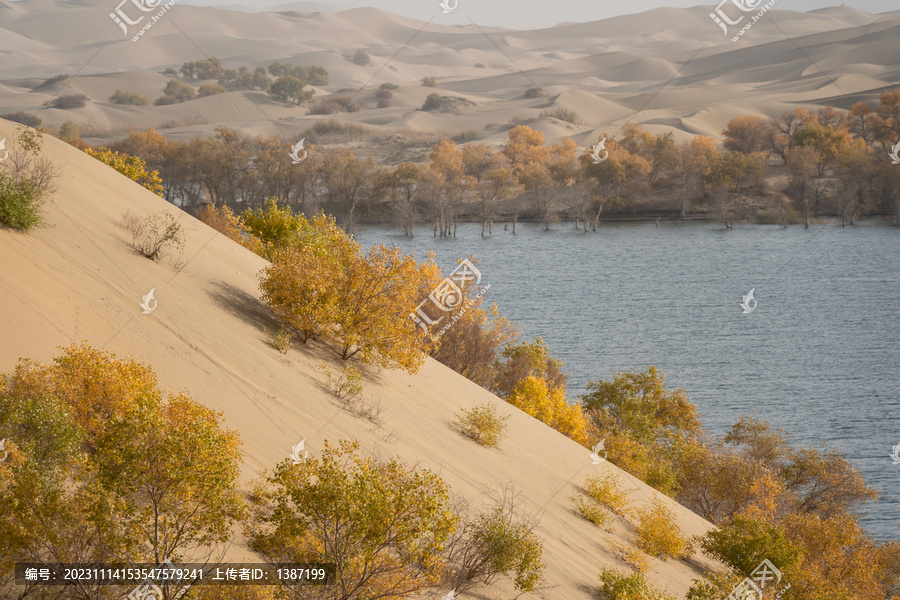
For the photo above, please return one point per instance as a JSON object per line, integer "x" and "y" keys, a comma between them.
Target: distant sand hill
{"x": 80, "y": 279}
{"x": 668, "y": 69}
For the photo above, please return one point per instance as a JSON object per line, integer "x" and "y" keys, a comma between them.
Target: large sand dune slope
{"x": 79, "y": 279}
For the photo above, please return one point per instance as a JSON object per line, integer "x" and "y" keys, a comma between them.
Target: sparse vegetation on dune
{"x": 27, "y": 179}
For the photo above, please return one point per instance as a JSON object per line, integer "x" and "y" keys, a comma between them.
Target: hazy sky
{"x": 530, "y": 14}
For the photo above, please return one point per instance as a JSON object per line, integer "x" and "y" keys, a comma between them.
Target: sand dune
{"x": 79, "y": 279}
{"x": 676, "y": 59}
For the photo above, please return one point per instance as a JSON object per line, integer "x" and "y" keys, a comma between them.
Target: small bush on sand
{"x": 500, "y": 541}
{"x": 69, "y": 101}
{"x": 129, "y": 98}
{"x": 280, "y": 340}
{"x": 346, "y": 386}
{"x": 617, "y": 585}
{"x": 562, "y": 114}
{"x": 590, "y": 510}
{"x": 331, "y": 105}
{"x": 658, "y": 533}
{"x": 607, "y": 492}
{"x": 429, "y": 82}
{"x": 483, "y": 424}
{"x": 154, "y": 236}
{"x": 26, "y": 179}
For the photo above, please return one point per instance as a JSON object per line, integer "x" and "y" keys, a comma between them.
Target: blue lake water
{"x": 819, "y": 356}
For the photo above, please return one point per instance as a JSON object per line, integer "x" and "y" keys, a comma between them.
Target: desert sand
{"x": 79, "y": 279}
{"x": 667, "y": 69}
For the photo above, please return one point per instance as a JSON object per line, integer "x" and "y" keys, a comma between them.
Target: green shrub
{"x": 497, "y": 542}
{"x": 534, "y": 92}
{"x": 361, "y": 58}
{"x": 26, "y": 179}
{"x": 128, "y": 98}
{"x": 429, "y": 82}
{"x": 210, "y": 89}
{"x": 68, "y": 101}
{"x": 606, "y": 491}
{"x": 483, "y": 424}
{"x": 280, "y": 340}
{"x": 23, "y": 118}
{"x": 20, "y": 203}
{"x": 381, "y": 523}
{"x": 562, "y": 114}
{"x": 387, "y": 85}
{"x": 432, "y": 102}
{"x": 617, "y": 585}
{"x": 659, "y": 534}
{"x": 590, "y": 510}
{"x": 600, "y": 494}
{"x": 345, "y": 387}
{"x": 744, "y": 542}
{"x": 332, "y": 105}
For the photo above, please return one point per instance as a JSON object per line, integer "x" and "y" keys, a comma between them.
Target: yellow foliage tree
{"x": 132, "y": 167}
{"x": 107, "y": 469}
{"x": 223, "y": 220}
{"x": 321, "y": 284}
{"x": 548, "y": 404}
{"x": 381, "y": 524}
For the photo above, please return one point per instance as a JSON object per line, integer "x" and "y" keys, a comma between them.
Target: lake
{"x": 818, "y": 356}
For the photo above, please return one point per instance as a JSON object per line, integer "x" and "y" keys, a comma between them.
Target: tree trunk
{"x": 515, "y": 220}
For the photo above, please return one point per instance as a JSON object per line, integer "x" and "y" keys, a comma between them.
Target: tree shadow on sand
{"x": 244, "y": 306}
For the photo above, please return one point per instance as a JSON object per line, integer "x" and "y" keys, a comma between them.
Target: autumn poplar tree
{"x": 112, "y": 470}
{"x": 381, "y": 524}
